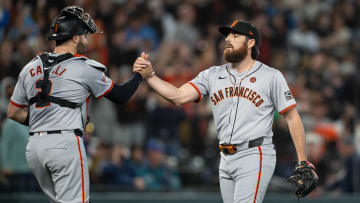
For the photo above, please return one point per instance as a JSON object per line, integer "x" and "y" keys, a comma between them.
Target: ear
{"x": 251, "y": 43}
{"x": 76, "y": 39}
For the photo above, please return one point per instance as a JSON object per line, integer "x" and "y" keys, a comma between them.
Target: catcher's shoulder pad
{"x": 92, "y": 63}
{"x": 96, "y": 64}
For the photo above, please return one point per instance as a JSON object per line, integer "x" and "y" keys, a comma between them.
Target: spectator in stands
{"x": 157, "y": 175}
{"x": 303, "y": 39}
{"x": 118, "y": 171}
{"x": 5, "y": 6}
{"x": 13, "y": 140}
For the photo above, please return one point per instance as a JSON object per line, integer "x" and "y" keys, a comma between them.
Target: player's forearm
{"x": 298, "y": 135}
{"x": 165, "y": 89}
{"x": 19, "y": 115}
{"x": 121, "y": 94}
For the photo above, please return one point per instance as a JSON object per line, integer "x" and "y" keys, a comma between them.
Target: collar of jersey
{"x": 254, "y": 68}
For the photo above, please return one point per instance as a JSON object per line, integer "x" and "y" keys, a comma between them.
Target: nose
{"x": 227, "y": 38}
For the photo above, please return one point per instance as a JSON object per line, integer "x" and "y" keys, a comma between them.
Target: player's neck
{"x": 63, "y": 49}
{"x": 244, "y": 65}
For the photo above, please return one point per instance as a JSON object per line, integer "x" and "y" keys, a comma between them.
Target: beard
{"x": 81, "y": 47}
{"x": 235, "y": 55}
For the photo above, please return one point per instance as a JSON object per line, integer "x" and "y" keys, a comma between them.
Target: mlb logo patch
{"x": 288, "y": 95}
{"x": 104, "y": 78}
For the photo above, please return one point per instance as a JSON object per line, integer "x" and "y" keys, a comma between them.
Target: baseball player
{"x": 52, "y": 96}
{"x": 244, "y": 94}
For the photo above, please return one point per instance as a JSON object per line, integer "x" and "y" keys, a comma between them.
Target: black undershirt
{"x": 121, "y": 94}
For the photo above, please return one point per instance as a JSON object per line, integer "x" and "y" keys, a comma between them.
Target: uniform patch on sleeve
{"x": 288, "y": 95}
{"x": 104, "y": 78}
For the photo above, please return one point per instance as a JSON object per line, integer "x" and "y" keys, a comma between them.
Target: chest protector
{"x": 43, "y": 99}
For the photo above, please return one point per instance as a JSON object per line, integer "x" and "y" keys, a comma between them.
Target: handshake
{"x": 143, "y": 66}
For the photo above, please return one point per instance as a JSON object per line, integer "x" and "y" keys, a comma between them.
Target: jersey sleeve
{"x": 201, "y": 84}
{"x": 281, "y": 94}
{"x": 97, "y": 82}
{"x": 18, "y": 97}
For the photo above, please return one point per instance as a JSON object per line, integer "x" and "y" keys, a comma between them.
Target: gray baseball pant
{"x": 245, "y": 175}
{"x": 59, "y": 163}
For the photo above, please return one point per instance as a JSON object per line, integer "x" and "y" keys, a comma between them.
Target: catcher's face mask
{"x": 84, "y": 17}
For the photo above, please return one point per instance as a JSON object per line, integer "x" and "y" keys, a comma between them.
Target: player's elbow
{"x": 14, "y": 112}
{"x": 11, "y": 114}
{"x": 181, "y": 97}
{"x": 178, "y": 101}
{"x": 174, "y": 101}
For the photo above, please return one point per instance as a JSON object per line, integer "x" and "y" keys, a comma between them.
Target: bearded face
{"x": 81, "y": 47}
{"x": 233, "y": 55}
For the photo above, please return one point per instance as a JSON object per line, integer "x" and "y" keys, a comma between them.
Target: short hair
{"x": 61, "y": 42}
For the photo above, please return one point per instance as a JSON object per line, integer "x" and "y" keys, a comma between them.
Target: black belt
{"x": 230, "y": 149}
{"x": 77, "y": 132}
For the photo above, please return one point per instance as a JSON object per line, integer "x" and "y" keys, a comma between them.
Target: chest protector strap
{"x": 43, "y": 98}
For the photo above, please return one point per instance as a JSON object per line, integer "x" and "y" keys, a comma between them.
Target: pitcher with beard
{"x": 52, "y": 96}
{"x": 244, "y": 94}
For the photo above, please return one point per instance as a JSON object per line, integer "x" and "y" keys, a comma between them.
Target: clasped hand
{"x": 143, "y": 66}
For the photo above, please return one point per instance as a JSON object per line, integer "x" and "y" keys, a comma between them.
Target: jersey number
{"x": 39, "y": 86}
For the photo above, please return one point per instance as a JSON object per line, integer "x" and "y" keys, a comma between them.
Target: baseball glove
{"x": 304, "y": 178}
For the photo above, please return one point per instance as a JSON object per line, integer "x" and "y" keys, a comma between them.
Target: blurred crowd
{"x": 151, "y": 145}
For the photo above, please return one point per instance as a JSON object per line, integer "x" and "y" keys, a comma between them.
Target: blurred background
{"x": 157, "y": 149}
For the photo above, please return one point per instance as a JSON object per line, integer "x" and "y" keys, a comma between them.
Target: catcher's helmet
{"x": 72, "y": 21}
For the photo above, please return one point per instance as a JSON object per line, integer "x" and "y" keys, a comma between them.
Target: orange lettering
{"x": 212, "y": 99}
{"x": 32, "y": 73}
{"x": 56, "y": 70}
{"x": 254, "y": 101}
{"x": 260, "y": 102}
{"x": 241, "y": 92}
{"x": 231, "y": 92}
{"x": 217, "y": 98}
{"x": 221, "y": 95}
{"x": 227, "y": 92}
{"x": 62, "y": 72}
{"x": 249, "y": 94}
{"x": 246, "y": 90}
{"x": 236, "y": 91}
{"x": 252, "y": 96}
{"x": 38, "y": 70}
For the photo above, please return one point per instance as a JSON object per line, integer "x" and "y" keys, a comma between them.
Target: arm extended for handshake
{"x": 177, "y": 96}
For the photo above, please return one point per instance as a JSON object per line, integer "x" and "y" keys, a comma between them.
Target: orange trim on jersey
{"x": 259, "y": 176}
{"x": 198, "y": 91}
{"x": 82, "y": 171}
{"x": 17, "y": 105}
{"x": 107, "y": 91}
{"x": 288, "y": 108}
{"x": 79, "y": 55}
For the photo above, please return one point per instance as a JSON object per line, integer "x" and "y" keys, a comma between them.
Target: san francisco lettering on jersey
{"x": 243, "y": 92}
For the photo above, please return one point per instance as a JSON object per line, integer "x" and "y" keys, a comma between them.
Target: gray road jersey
{"x": 243, "y": 112}
{"x": 74, "y": 80}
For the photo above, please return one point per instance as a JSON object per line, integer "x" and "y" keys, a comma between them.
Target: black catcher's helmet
{"x": 72, "y": 21}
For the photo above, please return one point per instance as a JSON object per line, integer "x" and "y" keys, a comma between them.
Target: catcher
{"x": 52, "y": 96}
